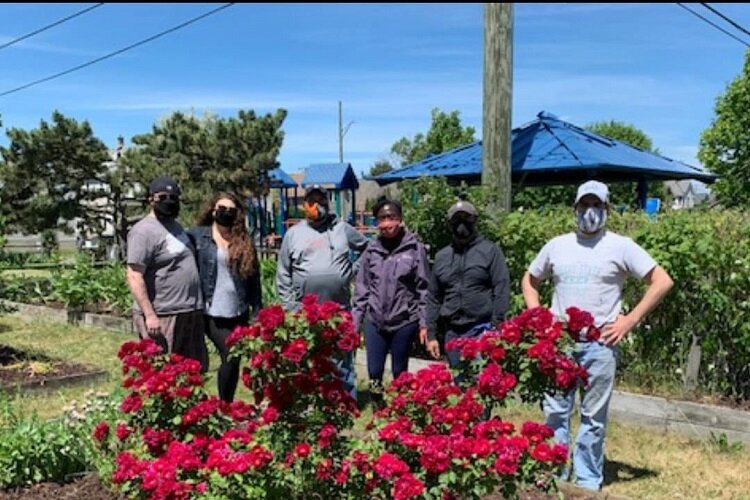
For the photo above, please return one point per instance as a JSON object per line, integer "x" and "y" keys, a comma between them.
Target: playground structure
{"x": 272, "y": 214}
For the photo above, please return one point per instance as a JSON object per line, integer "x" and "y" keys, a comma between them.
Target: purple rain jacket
{"x": 391, "y": 287}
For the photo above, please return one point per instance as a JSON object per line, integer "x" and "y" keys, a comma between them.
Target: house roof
{"x": 551, "y": 151}
{"x": 339, "y": 175}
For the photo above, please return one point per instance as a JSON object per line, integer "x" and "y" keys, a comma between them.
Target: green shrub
{"x": 29, "y": 290}
{"x": 86, "y": 285}
{"x": 32, "y": 451}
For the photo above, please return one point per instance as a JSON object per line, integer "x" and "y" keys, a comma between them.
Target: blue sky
{"x": 652, "y": 65}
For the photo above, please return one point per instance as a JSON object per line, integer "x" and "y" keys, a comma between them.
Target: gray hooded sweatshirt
{"x": 317, "y": 260}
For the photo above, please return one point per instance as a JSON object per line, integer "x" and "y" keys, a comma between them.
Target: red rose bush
{"x": 434, "y": 438}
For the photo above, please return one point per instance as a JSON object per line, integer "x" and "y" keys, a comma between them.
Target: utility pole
{"x": 497, "y": 102}
{"x": 342, "y": 132}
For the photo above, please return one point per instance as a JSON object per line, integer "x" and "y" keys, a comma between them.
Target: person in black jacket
{"x": 469, "y": 290}
{"x": 230, "y": 279}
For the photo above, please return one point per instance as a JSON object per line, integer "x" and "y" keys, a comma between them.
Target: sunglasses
{"x": 166, "y": 196}
{"x": 226, "y": 210}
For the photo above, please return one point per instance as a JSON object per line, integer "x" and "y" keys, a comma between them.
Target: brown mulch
{"x": 88, "y": 487}
{"x": 19, "y": 367}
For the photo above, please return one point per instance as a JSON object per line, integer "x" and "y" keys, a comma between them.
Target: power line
{"x": 117, "y": 52}
{"x": 709, "y": 22}
{"x": 726, "y": 18}
{"x": 45, "y": 28}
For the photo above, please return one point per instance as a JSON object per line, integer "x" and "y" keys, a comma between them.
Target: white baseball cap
{"x": 598, "y": 189}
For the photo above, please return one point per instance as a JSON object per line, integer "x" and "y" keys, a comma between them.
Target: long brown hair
{"x": 242, "y": 257}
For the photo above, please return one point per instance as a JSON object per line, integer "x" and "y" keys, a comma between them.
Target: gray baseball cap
{"x": 462, "y": 206}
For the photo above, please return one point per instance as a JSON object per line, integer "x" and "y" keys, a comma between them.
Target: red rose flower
{"x": 271, "y": 317}
{"x": 407, "y": 486}
{"x": 302, "y": 450}
{"x": 101, "y": 431}
{"x": 578, "y": 320}
{"x": 123, "y": 431}
{"x": 295, "y": 350}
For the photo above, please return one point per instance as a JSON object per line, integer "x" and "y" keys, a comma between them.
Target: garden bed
{"x": 20, "y": 370}
{"x": 88, "y": 487}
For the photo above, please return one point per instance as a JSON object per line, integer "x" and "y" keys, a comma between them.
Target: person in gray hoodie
{"x": 315, "y": 258}
{"x": 391, "y": 295}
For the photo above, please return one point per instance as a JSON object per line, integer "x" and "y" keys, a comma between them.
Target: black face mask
{"x": 462, "y": 231}
{"x": 168, "y": 209}
{"x": 224, "y": 218}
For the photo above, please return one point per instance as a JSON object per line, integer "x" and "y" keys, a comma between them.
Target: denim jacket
{"x": 248, "y": 290}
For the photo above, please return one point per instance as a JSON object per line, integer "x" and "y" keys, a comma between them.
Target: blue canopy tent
{"x": 337, "y": 178}
{"x": 551, "y": 151}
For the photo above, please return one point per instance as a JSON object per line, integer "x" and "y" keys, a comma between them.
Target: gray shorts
{"x": 181, "y": 333}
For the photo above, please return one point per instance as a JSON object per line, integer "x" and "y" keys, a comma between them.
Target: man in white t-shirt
{"x": 589, "y": 268}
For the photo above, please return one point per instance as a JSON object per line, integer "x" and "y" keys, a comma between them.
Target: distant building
{"x": 687, "y": 193}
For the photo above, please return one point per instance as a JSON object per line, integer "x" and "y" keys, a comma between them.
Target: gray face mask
{"x": 591, "y": 220}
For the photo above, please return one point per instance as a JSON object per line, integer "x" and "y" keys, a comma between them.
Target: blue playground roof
{"x": 551, "y": 151}
{"x": 339, "y": 175}
{"x": 280, "y": 179}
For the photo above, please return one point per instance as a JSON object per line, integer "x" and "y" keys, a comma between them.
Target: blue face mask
{"x": 591, "y": 219}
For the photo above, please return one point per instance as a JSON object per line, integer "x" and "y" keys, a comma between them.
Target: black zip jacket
{"x": 470, "y": 285}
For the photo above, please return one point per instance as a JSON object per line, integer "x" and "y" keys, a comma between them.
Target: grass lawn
{"x": 641, "y": 463}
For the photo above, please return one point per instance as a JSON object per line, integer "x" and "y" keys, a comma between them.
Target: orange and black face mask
{"x": 314, "y": 211}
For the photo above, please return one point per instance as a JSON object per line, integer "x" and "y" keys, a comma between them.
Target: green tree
{"x": 623, "y": 132}
{"x": 380, "y": 167}
{"x": 725, "y": 144}
{"x": 446, "y": 133}
{"x": 207, "y": 155}
{"x": 621, "y": 193}
{"x": 45, "y": 173}
{"x": 626, "y": 193}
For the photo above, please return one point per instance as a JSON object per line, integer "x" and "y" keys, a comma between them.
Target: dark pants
{"x": 454, "y": 357}
{"x": 379, "y": 343}
{"x": 181, "y": 334}
{"x": 218, "y": 330}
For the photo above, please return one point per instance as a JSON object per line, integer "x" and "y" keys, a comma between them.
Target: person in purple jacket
{"x": 391, "y": 295}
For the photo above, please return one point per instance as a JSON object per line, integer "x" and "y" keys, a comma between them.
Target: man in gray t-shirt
{"x": 163, "y": 277}
{"x": 588, "y": 269}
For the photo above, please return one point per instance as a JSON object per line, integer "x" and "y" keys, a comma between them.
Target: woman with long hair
{"x": 230, "y": 278}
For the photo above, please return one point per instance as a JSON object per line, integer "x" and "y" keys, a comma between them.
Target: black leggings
{"x": 218, "y": 330}
{"x": 380, "y": 343}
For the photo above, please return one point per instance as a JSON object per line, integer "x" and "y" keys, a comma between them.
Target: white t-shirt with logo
{"x": 589, "y": 273}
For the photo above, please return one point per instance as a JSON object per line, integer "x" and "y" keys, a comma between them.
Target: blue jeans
{"x": 347, "y": 373}
{"x": 588, "y": 458}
